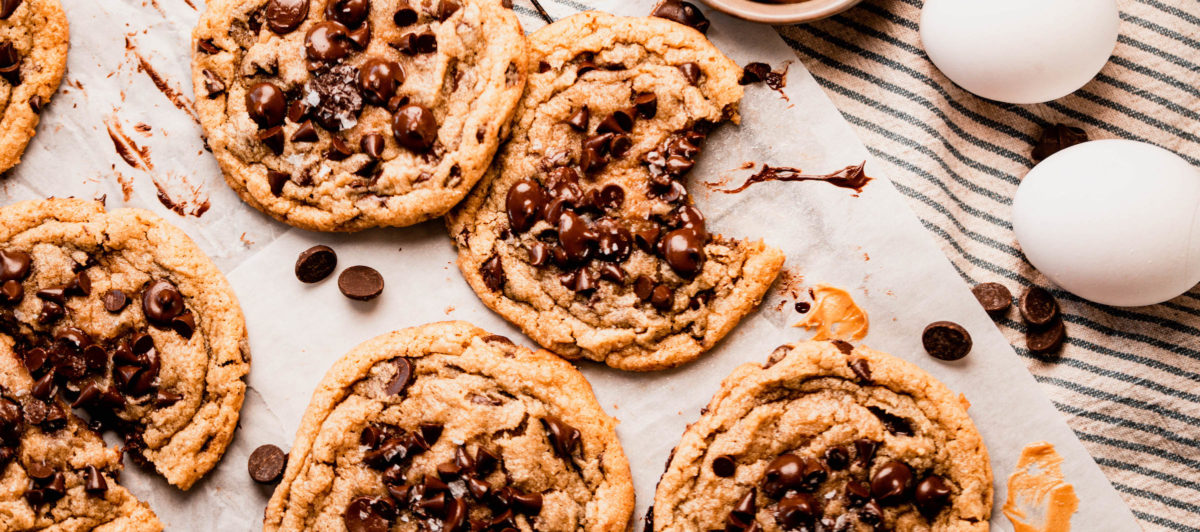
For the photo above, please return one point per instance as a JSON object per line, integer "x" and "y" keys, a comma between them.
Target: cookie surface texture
{"x": 33, "y": 56}
{"x": 829, "y": 439}
{"x": 119, "y": 316}
{"x": 340, "y": 115}
{"x": 447, "y": 427}
{"x": 582, "y": 232}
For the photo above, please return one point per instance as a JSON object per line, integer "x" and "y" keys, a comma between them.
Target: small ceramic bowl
{"x": 770, "y": 13}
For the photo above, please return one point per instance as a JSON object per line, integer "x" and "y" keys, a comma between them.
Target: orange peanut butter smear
{"x": 1039, "y": 499}
{"x": 835, "y": 315}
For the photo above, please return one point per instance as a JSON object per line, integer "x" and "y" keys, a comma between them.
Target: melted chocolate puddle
{"x": 852, "y": 177}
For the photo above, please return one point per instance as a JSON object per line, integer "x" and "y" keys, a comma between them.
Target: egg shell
{"x": 1116, "y": 222}
{"x": 1020, "y": 51}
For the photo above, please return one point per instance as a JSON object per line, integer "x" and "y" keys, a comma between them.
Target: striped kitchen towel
{"x": 1128, "y": 380}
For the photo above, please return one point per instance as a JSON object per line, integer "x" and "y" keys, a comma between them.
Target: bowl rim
{"x": 781, "y": 13}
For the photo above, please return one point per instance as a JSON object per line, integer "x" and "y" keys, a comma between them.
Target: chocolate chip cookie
{"x": 446, "y": 427}
{"x": 582, "y": 233}
{"x": 33, "y": 56}
{"x": 116, "y": 318}
{"x": 826, "y": 436}
{"x": 339, "y": 115}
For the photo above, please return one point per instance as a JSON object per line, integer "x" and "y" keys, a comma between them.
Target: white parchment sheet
{"x": 129, "y": 57}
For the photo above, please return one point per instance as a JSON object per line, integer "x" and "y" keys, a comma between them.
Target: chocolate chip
{"x": 845, "y": 347}
{"x": 50, "y": 312}
{"x": 691, "y": 72}
{"x": 785, "y": 472}
{"x": 837, "y": 458}
{"x": 338, "y": 150}
{"x": 796, "y": 510}
{"x": 611, "y": 197}
{"x": 682, "y": 12}
{"x": 266, "y": 104}
{"x": 11, "y": 292}
{"x": 576, "y": 237}
{"x": 276, "y": 180}
{"x": 284, "y": 16}
{"x": 184, "y": 324}
{"x": 297, "y": 110}
{"x": 861, "y": 368}
{"x": 94, "y": 483}
{"x": 361, "y": 283}
{"x": 339, "y": 101}
{"x": 857, "y": 493}
{"x": 305, "y": 133}
{"x": 212, "y": 84}
{"x": 39, "y": 470}
{"x": 564, "y": 438}
{"x": 743, "y": 512}
{"x": 527, "y": 503}
{"x": 890, "y": 484}
{"x": 864, "y": 452}
{"x": 579, "y": 120}
{"x": 315, "y": 264}
{"x": 368, "y": 514}
{"x": 932, "y": 494}
{"x": 378, "y": 79}
{"x": 402, "y": 378}
{"x": 754, "y": 73}
{"x": 10, "y": 63}
{"x": 646, "y": 104}
{"x": 619, "y": 122}
{"x": 36, "y": 103}
{"x": 946, "y": 340}
{"x": 1047, "y": 338}
{"x": 1037, "y": 306}
{"x": 492, "y": 272}
{"x": 993, "y": 297}
{"x": 446, "y": 8}
{"x": 645, "y": 235}
{"x": 207, "y": 46}
{"x": 415, "y": 127}
{"x": 525, "y": 201}
{"x": 893, "y": 423}
{"x": 272, "y": 138}
{"x": 662, "y": 298}
{"x": 14, "y": 265}
{"x": 161, "y": 302}
{"x": 683, "y": 249}
{"x": 431, "y": 432}
{"x": 327, "y": 41}
{"x": 1056, "y": 138}
{"x": 351, "y": 13}
{"x": 404, "y": 16}
{"x": 115, "y": 301}
{"x": 723, "y": 466}
{"x": 7, "y": 7}
{"x": 267, "y": 463}
{"x": 163, "y": 399}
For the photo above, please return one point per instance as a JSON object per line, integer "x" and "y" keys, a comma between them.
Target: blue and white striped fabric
{"x": 1128, "y": 380}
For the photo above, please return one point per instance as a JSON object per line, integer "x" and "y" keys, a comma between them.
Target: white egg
{"x": 1112, "y": 221}
{"x": 1020, "y": 51}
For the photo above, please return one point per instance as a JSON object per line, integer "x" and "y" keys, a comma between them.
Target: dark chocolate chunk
{"x": 115, "y": 301}
{"x": 946, "y": 340}
{"x": 266, "y": 104}
{"x": 1037, "y": 306}
{"x": 161, "y": 302}
{"x": 891, "y": 482}
{"x": 402, "y": 378}
{"x": 212, "y": 84}
{"x": 993, "y": 297}
{"x": 339, "y": 101}
{"x": 492, "y": 272}
{"x": 362, "y": 283}
{"x": 415, "y": 127}
{"x": 1056, "y": 138}
{"x": 893, "y": 423}
{"x": 861, "y": 368}
{"x": 267, "y": 463}
{"x": 1047, "y": 338}
{"x": 682, "y": 12}
{"x": 305, "y": 133}
{"x": 284, "y": 16}
{"x": 564, "y": 438}
{"x": 315, "y": 264}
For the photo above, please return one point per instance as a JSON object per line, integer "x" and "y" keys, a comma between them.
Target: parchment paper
{"x": 129, "y": 58}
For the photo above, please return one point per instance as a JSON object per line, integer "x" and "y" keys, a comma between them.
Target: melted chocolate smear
{"x": 851, "y": 177}
{"x": 173, "y": 94}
